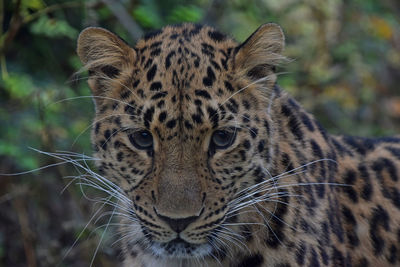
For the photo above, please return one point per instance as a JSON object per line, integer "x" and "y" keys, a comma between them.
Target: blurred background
{"x": 345, "y": 69}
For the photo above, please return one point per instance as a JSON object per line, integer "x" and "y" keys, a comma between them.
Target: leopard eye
{"x": 223, "y": 138}
{"x": 141, "y": 139}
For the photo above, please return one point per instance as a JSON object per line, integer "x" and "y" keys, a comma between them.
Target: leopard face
{"x": 205, "y": 154}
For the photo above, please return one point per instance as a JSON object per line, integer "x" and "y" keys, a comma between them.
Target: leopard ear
{"x": 104, "y": 54}
{"x": 260, "y": 53}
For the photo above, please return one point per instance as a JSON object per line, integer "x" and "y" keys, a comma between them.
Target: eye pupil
{"x": 141, "y": 139}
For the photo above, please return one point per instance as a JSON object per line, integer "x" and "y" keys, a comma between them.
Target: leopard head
{"x": 183, "y": 132}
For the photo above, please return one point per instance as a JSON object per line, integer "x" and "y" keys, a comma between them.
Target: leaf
{"x": 381, "y": 28}
{"x": 185, "y": 13}
{"x": 53, "y": 28}
{"x": 19, "y": 85}
{"x": 32, "y": 4}
{"x": 147, "y": 16}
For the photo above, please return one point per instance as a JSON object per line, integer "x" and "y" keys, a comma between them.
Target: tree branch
{"x": 125, "y": 19}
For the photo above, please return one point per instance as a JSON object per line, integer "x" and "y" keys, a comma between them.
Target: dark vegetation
{"x": 345, "y": 69}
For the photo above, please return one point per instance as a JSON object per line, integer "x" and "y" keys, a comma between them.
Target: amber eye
{"x": 141, "y": 139}
{"x": 223, "y": 138}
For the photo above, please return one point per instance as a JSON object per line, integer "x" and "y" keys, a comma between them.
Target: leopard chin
{"x": 180, "y": 249}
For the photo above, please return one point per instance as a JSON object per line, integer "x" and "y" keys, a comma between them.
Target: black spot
{"x": 120, "y": 156}
{"x": 314, "y": 262}
{"x": 393, "y": 254}
{"x": 324, "y": 255}
{"x": 107, "y": 134}
{"x": 125, "y": 94}
{"x": 117, "y": 144}
{"x": 135, "y": 83}
{"x": 351, "y": 224}
{"x": 174, "y": 36}
{"x": 197, "y": 118}
{"x": 300, "y": 254}
{"x": 168, "y": 59}
{"x": 188, "y": 125}
{"x": 253, "y": 132}
{"x": 207, "y": 49}
{"x": 171, "y": 124}
{"x": 110, "y": 71}
{"x": 213, "y": 116}
{"x": 337, "y": 258}
{"x": 161, "y": 103}
{"x": 252, "y": 261}
{"x": 97, "y": 128}
{"x": 140, "y": 92}
{"x": 246, "y": 104}
{"x": 228, "y": 86}
{"x": 103, "y": 144}
{"x": 156, "y": 86}
{"x": 148, "y": 63}
{"x": 202, "y": 93}
{"x": 210, "y": 78}
{"x": 379, "y": 218}
{"x": 340, "y": 148}
{"x": 367, "y": 189}
{"x": 151, "y": 73}
{"x": 355, "y": 144}
{"x": 307, "y": 122}
{"x": 129, "y": 109}
{"x": 317, "y": 151}
{"x": 232, "y": 106}
{"x": 155, "y": 52}
{"x": 286, "y": 111}
{"x": 152, "y": 34}
{"x": 349, "y": 179}
{"x": 216, "y": 36}
{"x": 246, "y": 144}
{"x": 159, "y": 95}
{"x": 162, "y": 116}
{"x": 382, "y": 163}
{"x": 215, "y": 65}
{"x": 267, "y": 128}
{"x": 294, "y": 124}
{"x": 260, "y": 146}
{"x": 395, "y": 151}
{"x": 148, "y": 117}
{"x": 395, "y": 197}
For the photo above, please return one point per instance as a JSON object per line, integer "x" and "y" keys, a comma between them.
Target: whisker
{"x": 101, "y": 239}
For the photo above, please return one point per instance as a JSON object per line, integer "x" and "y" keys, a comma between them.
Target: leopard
{"x": 212, "y": 163}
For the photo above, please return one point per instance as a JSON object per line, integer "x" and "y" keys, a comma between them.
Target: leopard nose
{"x": 179, "y": 224}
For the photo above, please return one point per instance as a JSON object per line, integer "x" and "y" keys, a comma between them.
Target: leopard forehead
{"x": 183, "y": 81}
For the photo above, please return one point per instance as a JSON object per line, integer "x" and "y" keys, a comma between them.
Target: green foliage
{"x": 53, "y": 28}
{"x": 185, "y": 13}
{"x": 18, "y": 86}
{"x": 148, "y": 15}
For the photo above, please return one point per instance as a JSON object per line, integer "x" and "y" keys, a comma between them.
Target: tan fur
{"x": 282, "y": 193}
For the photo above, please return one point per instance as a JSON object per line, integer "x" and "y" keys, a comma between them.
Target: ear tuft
{"x": 105, "y": 55}
{"x": 258, "y": 55}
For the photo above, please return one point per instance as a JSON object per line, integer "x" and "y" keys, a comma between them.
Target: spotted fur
{"x": 281, "y": 192}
